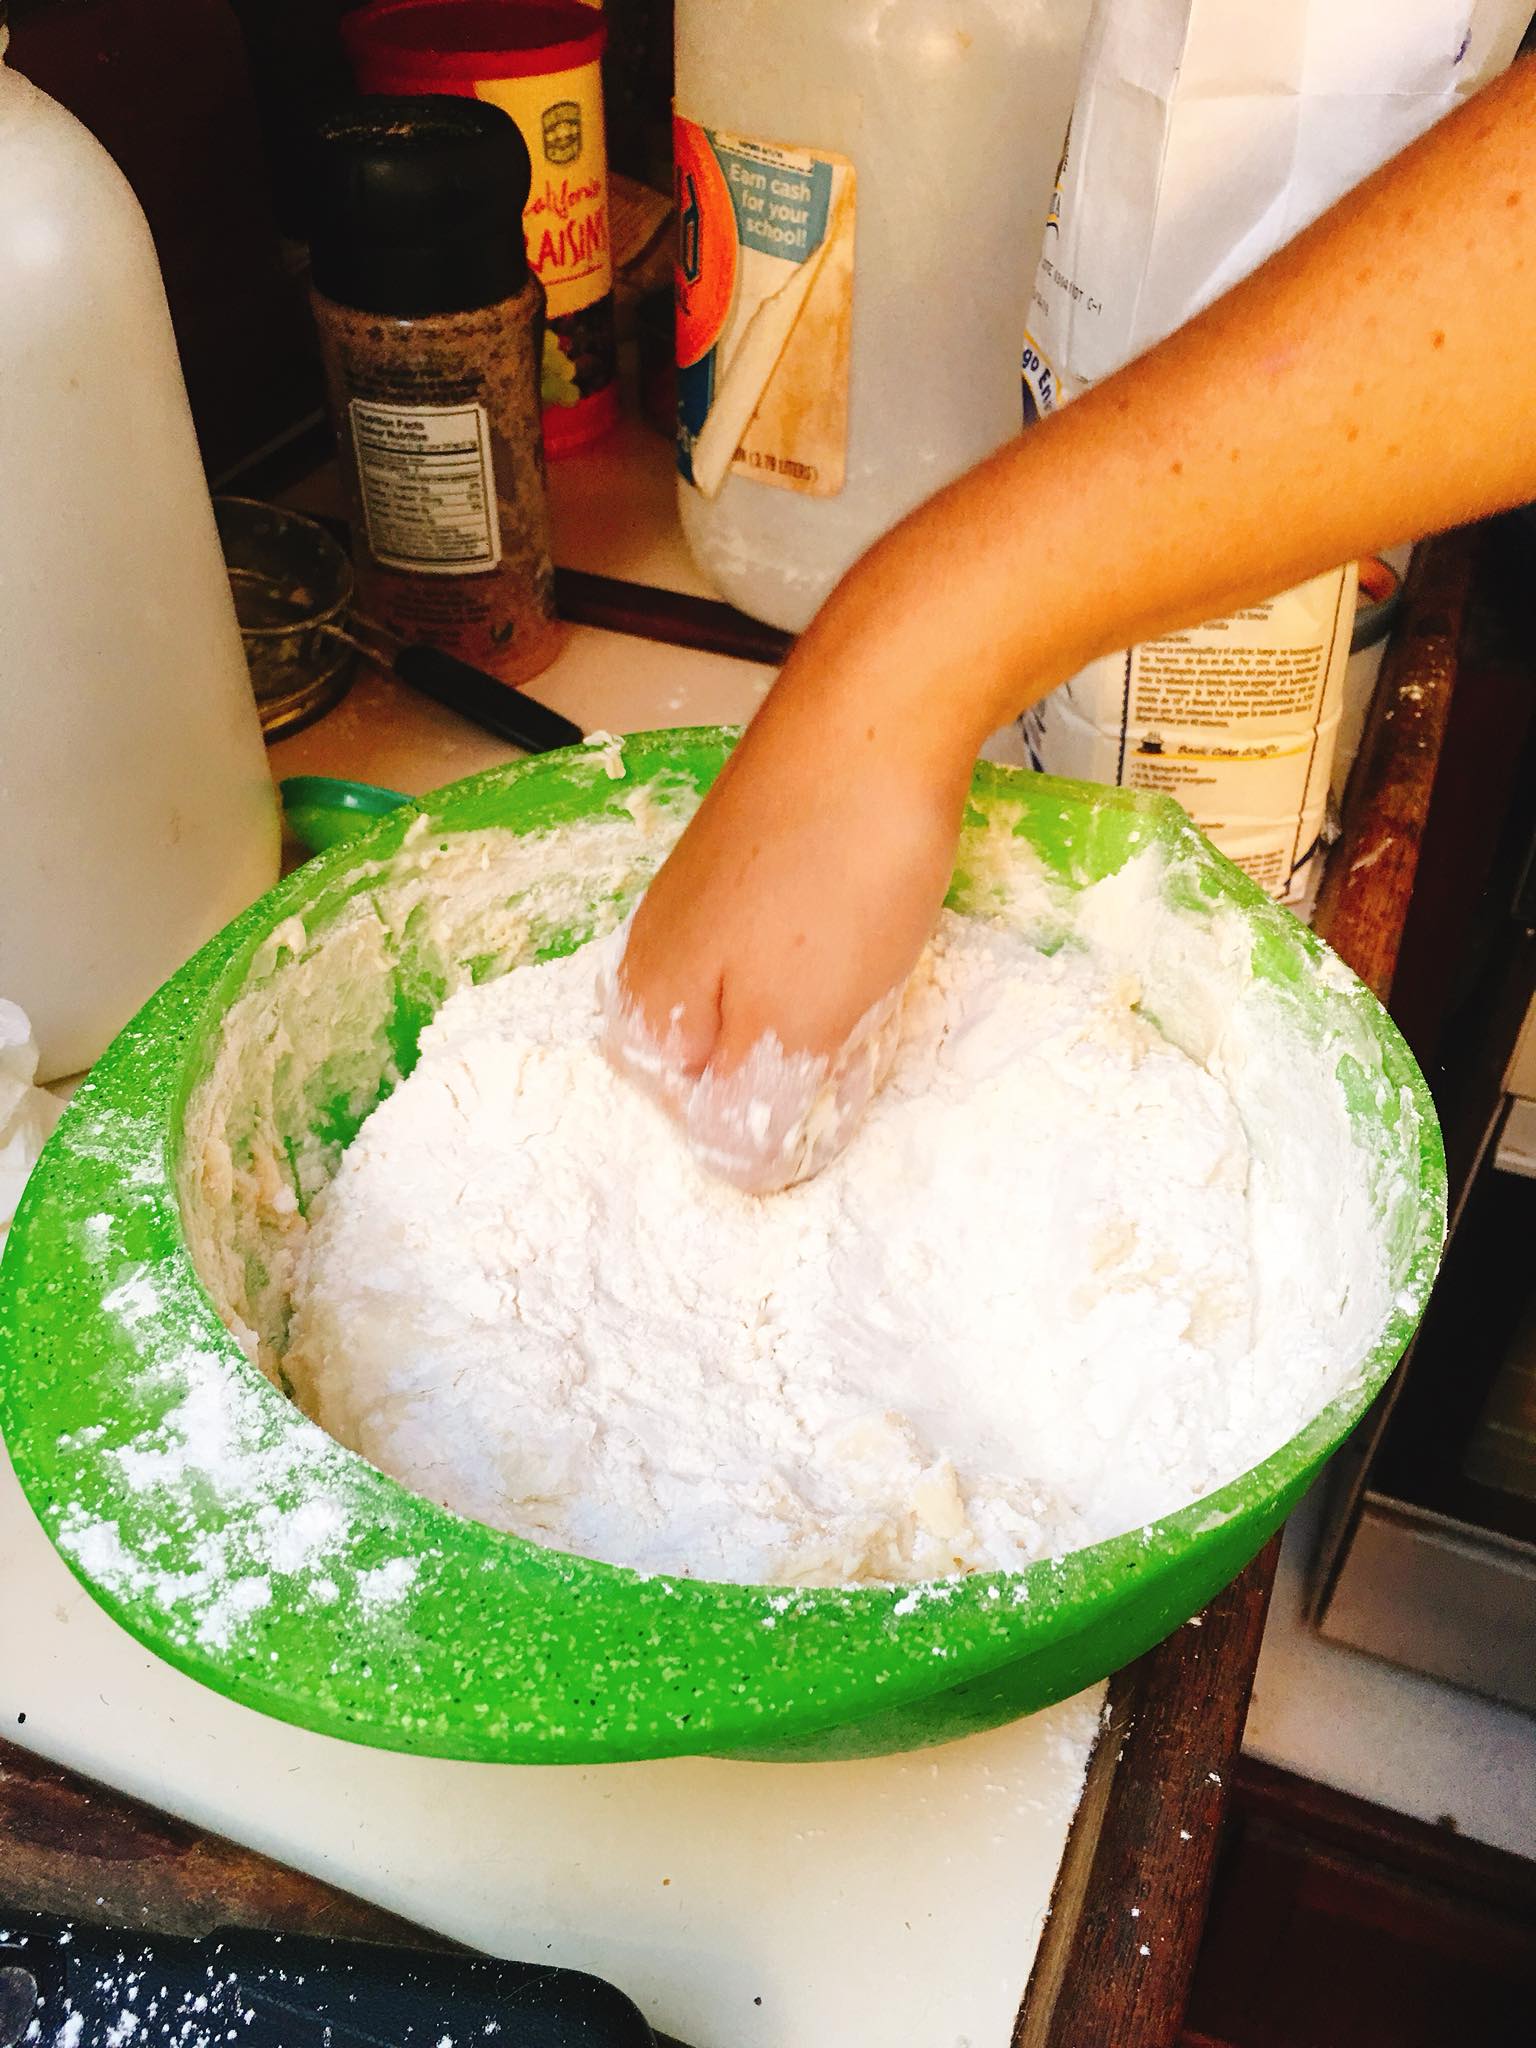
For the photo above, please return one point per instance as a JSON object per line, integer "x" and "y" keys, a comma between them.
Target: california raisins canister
{"x": 538, "y": 60}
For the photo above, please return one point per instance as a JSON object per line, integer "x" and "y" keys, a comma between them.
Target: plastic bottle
{"x": 137, "y": 814}
{"x": 951, "y": 115}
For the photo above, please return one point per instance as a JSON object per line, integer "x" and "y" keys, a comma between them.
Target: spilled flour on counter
{"x": 1016, "y": 1316}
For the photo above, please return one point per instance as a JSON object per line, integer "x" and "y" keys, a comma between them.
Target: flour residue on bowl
{"x": 229, "y": 1509}
{"x": 1047, "y": 1295}
{"x": 223, "y": 1501}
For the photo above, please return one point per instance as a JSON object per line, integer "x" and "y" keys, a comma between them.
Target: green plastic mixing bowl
{"x": 147, "y": 1281}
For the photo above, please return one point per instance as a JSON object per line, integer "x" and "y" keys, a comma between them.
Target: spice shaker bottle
{"x": 430, "y": 324}
{"x": 541, "y": 61}
{"x": 137, "y": 814}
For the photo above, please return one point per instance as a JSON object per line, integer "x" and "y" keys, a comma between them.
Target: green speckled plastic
{"x": 504, "y": 1651}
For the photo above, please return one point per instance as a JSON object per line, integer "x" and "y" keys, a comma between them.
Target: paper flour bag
{"x": 1203, "y": 138}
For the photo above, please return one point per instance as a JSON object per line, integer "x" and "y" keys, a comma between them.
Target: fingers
{"x": 765, "y": 1118}
{"x": 663, "y": 1063}
{"x": 761, "y": 1122}
{"x": 757, "y": 1115}
{"x": 756, "y": 993}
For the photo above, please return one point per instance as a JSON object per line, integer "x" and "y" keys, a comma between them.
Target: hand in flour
{"x": 778, "y": 1022}
{"x": 1369, "y": 384}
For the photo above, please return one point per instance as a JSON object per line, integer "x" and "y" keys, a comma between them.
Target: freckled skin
{"x": 1325, "y": 372}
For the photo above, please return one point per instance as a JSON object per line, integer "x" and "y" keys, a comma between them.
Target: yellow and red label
{"x": 569, "y": 235}
{"x": 566, "y": 218}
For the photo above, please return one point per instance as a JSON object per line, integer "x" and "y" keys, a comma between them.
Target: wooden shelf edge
{"x": 77, "y": 1850}
{"x": 1147, "y": 1832}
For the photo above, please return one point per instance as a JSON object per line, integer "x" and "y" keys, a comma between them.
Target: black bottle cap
{"x": 418, "y": 205}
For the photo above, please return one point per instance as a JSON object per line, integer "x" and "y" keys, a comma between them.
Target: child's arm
{"x": 1374, "y": 381}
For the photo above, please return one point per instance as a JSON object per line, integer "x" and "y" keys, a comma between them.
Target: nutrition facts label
{"x": 429, "y": 494}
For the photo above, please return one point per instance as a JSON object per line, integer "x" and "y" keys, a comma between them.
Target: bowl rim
{"x": 778, "y": 1664}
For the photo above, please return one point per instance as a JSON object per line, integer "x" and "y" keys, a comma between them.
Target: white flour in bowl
{"x": 1016, "y": 1316}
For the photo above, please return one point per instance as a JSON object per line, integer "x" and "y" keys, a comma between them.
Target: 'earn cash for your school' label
{"x": 764, "y": 311}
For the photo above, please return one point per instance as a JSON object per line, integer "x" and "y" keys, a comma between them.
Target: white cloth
{"x": 27, "y": 1113}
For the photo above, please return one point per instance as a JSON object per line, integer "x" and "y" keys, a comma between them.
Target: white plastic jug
{"x": 137, "y": 814}
{"x": 951, "y": 116}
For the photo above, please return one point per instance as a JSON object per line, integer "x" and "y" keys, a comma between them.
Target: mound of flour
{"x": 1012, "y": 1318}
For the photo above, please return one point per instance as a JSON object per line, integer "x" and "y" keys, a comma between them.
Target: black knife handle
{"x": 508, "y": 712}
{"x": 259, "y": 1990}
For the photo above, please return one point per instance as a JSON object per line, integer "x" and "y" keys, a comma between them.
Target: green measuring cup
{"x": 323, "y": 810}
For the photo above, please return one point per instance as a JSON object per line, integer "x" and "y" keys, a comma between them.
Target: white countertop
{"x": 613, "y": 514}
{"x": 742, "y": 1905}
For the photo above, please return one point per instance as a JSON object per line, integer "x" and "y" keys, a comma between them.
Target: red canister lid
{"x": 450, "y": 45}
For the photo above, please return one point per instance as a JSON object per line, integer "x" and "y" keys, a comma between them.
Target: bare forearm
{"x": 1371, "y": 383}
{"x": 1375, "y": 381}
